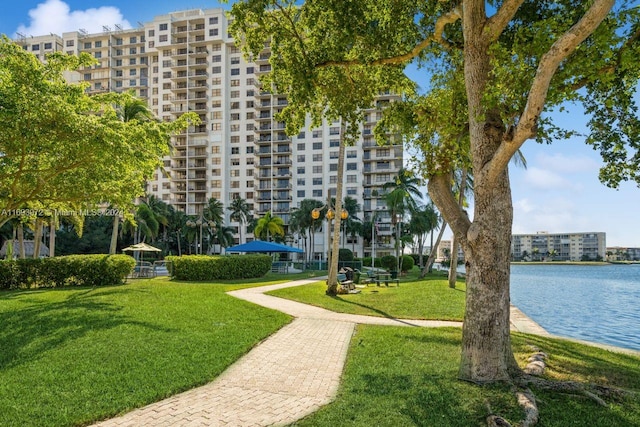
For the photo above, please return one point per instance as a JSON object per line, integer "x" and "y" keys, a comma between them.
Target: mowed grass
{"x": 428, "y": 298}
{"x": 400, "y": 376}
{"x": 74, "y": 356}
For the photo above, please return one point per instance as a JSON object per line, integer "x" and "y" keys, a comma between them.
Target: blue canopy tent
{"x": 270, "y": 247}
{"x": 262, "y": 246}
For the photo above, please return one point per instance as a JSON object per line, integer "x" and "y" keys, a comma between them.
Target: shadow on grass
{"x": 40, "y": 324}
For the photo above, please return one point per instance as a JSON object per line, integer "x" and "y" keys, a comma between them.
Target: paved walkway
{"x": 286, "y": 377}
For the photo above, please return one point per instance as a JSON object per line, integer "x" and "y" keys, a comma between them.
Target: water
{"x": 594, "y": 303}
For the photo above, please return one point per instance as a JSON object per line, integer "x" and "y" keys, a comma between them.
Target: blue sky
{"x": 558, "y": 192}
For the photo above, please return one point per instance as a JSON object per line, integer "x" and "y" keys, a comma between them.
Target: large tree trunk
{"x": 486, "y": 342}
{"x": 332, "y": 281}
{"x": 37, "y": 239}
{"x": 53, "y": 226}
{"x": 453, "y": 268}
{"x": 21, "y": 251}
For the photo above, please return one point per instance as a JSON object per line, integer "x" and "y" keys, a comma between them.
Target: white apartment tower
{"x": 186, "y": 61}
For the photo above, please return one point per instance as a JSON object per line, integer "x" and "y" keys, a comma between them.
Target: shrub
{"x": 345, "y": 254}
{"x": 228, "y": 267}
{"x": 78, "y": 270}
{"x": 388, "y": 262}
{"x": 407, "y": 263}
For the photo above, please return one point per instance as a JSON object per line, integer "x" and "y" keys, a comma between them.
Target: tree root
{"x": 531, "y": 378}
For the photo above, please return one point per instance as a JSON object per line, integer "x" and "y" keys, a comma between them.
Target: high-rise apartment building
{"x": 589, "y": 246}
{"x": 187, "y": 61}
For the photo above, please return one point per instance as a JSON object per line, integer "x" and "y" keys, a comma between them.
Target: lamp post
{"x": 330, "y": 215}
{"x": 200, "y": 222}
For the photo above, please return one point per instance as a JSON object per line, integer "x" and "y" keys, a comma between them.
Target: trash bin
{"x": 356, "y": 276}
{"x": 394, "y": 274}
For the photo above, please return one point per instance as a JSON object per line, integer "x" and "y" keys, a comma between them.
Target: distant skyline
{"x": 558, "y": 192}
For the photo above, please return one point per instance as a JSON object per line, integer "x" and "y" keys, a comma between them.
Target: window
{"x": 213, "y": 20}
{"x": 133, "y": 72}
{"x": 334, "y": 143}
{"x": 98, "y": 54}
{"x": 317, "y": 134}
{"x": 151, "y": 33}
{"x": 133, "y": 51}
{"x": 250, "y": 126}
{"x": 87, "y": 76}
{"x": 216, "y": 126}
{"x": 333, "y": 154}
{"x": 87, "y": 45}
{"x": 334, "y": 131}
{"x": 132, "y": 61}
{"x": 333, "y": 167}
{"x": 250, "y": 104}
{"x": 216, "y": 81}
{"x": 250, "y": 173}
{"x": 300, "y": 181}
{"x": 216, "y": 48}
{"x": 216, "y": 70}
{"x": 216, "y": 115}
{"x": 235, "y": 128}
{"x": 317, "y": 193}
{"x": 47, "y": 45}
{"x": 235, "y": 94}
{"x": 301, "y": 158}
{"x": 250, "y": 162}
{"x": 300, "y": 194}
{"x": 163, "y": 38}
{"x": 317, "y": 169}
{"x": 235, "y": 116}
{"x": 216, "y": 92}
{"x": 235, "y": 72}
{"x": 300, "y": 171}
{"x": 383, "y": 152}
{"x": 317, "y": 145}
{"x": 132, "y": 82}
{"x": 249, "y": 150}
{"x": 235, "y": 105}
{"x": 317, "y": 157}
{"x": 352, "y": 166}
{"x": 118, "y": 62}
{"x": 249, "y": 70}
{"x": 250, "y": 115}
{"x": 301, "y": 134}
{"x": 98, "y": 43}
{"x": 235, "y": 82}
{"x": 234, "y": 172}
{"x": 352, "y": 154}
{"x": 251, "y": 82}
{"x": 301, "y": 146}
{"x": 235, "y": 60}
{"x": 163, "y": 27}
{"x": 69, "y": 43}
{"x": 352, "y": 179}
{"x": 333, "y": 179}
{"x": 216, "y": 58}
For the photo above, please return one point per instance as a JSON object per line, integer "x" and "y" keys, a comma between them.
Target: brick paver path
{"x": 286, "y": 377}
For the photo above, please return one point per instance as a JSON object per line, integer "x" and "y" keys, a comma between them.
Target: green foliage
{"x": 72, "y": 270}
{"x": 407, "y": 263}
{"x": 203, "y": 267}
{"x": 62, "y": 149}
{"x": 389, "y": 262}
{"x": 345, "y": 254}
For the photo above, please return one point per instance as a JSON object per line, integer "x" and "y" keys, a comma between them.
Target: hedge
{"x": 71, "y": 270}
{"x": 227, "y": 267}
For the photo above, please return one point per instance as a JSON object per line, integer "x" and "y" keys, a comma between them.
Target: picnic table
{"x": 386, "y": 278}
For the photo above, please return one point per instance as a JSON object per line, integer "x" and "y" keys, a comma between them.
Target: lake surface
{"x": 594, "y": 303}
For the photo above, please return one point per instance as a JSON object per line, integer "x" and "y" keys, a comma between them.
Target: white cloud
{"x": 55, "y": 16}
{"x": 555, "y": 215}
{"x": 564, "y": 164}
{"x": 543, "y": 179}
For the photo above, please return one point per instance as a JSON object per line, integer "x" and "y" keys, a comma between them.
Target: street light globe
{"x": 344, "y": 214}
{"x": 315, "y": 214}
{"x": 330, "y": 214}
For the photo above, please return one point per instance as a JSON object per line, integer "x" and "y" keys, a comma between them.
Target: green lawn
{"x": 430, "y": 298}
{"x": 399, "y": 376}
{"x": 73, "y": 356}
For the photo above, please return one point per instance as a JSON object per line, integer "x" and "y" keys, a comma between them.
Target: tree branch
{"x": 448, "y": 18}
{"x": 439, "y": 187}
{"x": 498, "y": 22}
{"x": 547, "y": 68}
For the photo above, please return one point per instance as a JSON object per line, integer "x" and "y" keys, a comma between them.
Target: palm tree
{"x": 132, "y": 109}
{"x": 352, "y": 207}
{"x": 214, "y": 211}
{"x": 240, "y": 213}
{"x": 422, "y": 222}
{"x": 223, "y": 235}
{"x": 404, "y": 190}
{"x": 302, "y": 223}
{"x": 269, "y": 225}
